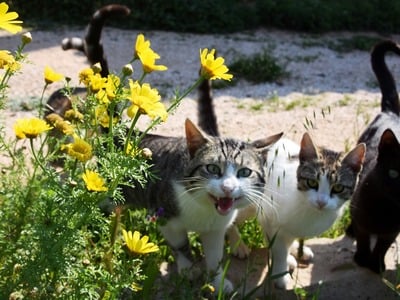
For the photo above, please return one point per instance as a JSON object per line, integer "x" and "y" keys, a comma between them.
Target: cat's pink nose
{"x": 227, "y": 189}
{"x": 321, "y": 204}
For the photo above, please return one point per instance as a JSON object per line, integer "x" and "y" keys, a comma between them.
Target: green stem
{"x": 131, "y": 128}
{"x": 41, "y": 101}
{"x": 37, "y": 160}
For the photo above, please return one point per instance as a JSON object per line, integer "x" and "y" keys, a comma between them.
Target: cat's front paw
{"x": 241, "y": 251}
{"x": 292, "y": 262}
{"x": 282, "y": 282}
{"x": 362, "y": 259}
{"x": 222, "y": 282}
{"x": 375, "y": 264}
{"x": 307, "y": 253}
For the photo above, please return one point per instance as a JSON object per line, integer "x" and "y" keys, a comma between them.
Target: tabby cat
{"x": 375, "y": 206}
{"x": 203, "y": 182}
{"x": 306, "y": 188}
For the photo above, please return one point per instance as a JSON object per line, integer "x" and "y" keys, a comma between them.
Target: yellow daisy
{"x": 94, "y": 182}
{"x": 141, "y": 45}
{"x": 138, "y": 245}
{"x": 8, "y": 19}
{"x": 7, "y": 61}
{"x": 30, "y": 128}
{"x": 148, "y": 59}
{"x": 145, "y": 100}
{"x": 84, "y": 76}
{"x": 79, "y": 149}
{"x": 50, "y": 76}
{"x": 213, "y": 68}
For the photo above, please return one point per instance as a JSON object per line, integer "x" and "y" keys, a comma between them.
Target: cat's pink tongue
{"x": 224, "y": 205}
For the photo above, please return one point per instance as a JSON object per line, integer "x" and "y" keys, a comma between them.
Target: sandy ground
{"x": 333, "y": 95}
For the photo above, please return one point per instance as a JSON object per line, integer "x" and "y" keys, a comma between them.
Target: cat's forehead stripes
{"x": 231, "y": 149}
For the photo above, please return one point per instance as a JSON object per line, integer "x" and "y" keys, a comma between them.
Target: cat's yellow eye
{"x": 312, "y": 183}
{"x": 337, "y": 188}
{"x": 244, "y": 172}
{"x": 213, "y": 169}
{"x": 393, "y": 173}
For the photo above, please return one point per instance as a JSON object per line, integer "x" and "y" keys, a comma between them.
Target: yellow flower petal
{"x": 79, "y": 149}
{"x": 8, "y": 19}
{"x": 213, "y": 68}
{"x": 146, "y": 100}
{"x": 138, "y": 245}
{"x": 148, "y": 59}
{"x": 50, "y": 76}
{"x": 30, "y": 128}
{"x": 94, "y": 182}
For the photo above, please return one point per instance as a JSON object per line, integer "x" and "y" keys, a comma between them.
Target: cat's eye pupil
{"x": 213, "y": 169}
{"x": 312, "y": 183}
{"x": 244, "y": 172}
{"x": 337, "y": 188}
{"x": 393, "y": 173}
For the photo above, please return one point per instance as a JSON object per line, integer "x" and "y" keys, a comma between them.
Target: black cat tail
{"x": 91, "y": 44}
{"x": 387, "y": 84}
{"x": 205, "y": 109}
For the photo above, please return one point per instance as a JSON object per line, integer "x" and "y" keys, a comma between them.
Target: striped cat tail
{"x": 91, "y": 44}
{"x": 207, "y": 119}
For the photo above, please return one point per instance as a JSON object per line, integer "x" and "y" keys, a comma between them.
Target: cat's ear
{"x": 388, "y": 145}
{"x": 194, "y": 137}
{"x": 308, "y": 151}
{"x": 268, "y": 141}
{"x": 355, "y": 158}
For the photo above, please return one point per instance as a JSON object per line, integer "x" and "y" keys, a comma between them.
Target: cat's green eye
{"x": 244, "y": 172}
{"x": 337, "y": 188}
{"x": 312, "y": 183}
{"x": 213, "y": 169}
{"x": 393, "y": 173}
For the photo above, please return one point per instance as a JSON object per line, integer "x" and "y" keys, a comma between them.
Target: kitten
{"x": 203, "y": 182}
{"x": 306, "y": 188}
{"x": 92, "y": 47}
{"x": 375, "y": 206}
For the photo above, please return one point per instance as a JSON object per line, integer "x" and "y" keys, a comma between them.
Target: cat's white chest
{"x": 198, "y": 212}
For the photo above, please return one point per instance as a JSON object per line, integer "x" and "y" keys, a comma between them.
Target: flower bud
{"x": 146, "y": 152}
{"x": 26, "y": 38}
{"x": 96, "y": 67}
{"x": 127, "y": 70}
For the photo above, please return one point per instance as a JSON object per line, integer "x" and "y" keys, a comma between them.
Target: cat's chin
{"x": 223, "y": 205}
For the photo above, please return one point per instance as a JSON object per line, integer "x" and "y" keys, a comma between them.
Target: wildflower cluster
{"x": 59, "y": 236}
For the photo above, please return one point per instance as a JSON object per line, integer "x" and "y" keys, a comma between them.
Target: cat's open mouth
{"x": 223, "y": 205}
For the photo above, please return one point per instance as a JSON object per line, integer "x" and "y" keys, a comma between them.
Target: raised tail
{"x": 91, "y": 44}
{"x": 205, "y": 110}
{"x": 387, "y": 84}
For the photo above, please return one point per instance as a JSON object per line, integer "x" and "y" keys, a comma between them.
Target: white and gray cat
{"x": 306, "y": 188}
{"x": 203, "y": 182}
